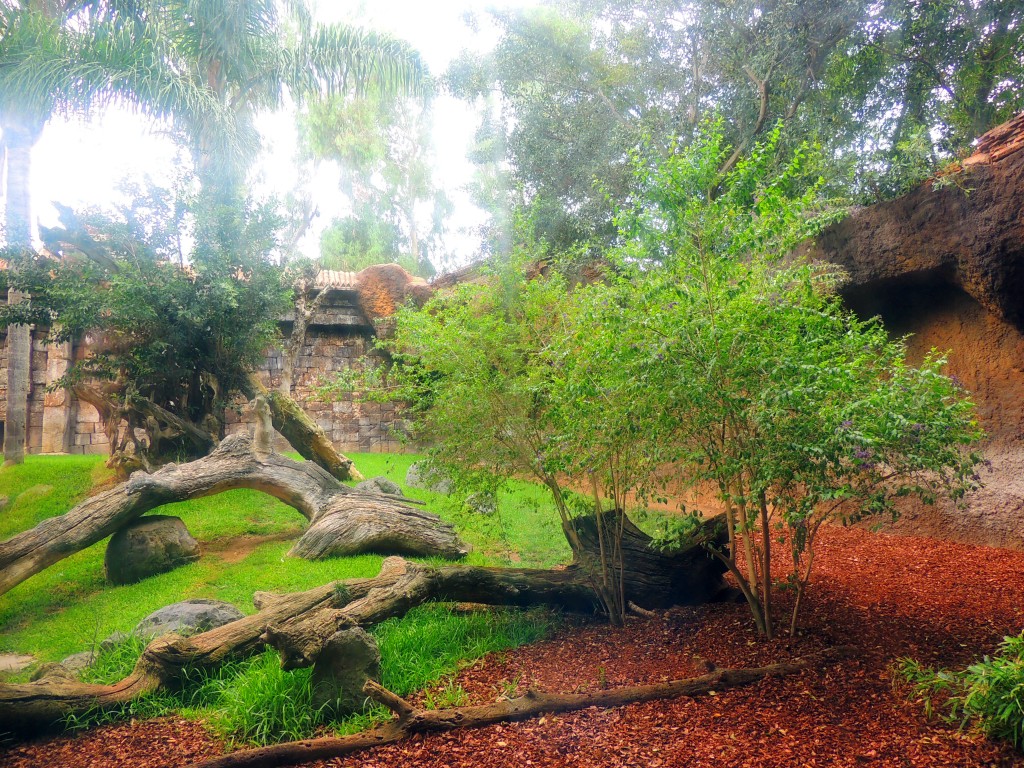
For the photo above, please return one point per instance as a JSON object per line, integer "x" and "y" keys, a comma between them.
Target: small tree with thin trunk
{"x": 773, "y": 394}
{"x": 500, "y": 384}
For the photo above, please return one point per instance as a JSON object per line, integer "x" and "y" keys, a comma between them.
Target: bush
{"x": 989, "y": 693}
{"x": 993, "y": 693}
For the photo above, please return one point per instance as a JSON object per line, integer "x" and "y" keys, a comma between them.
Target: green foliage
{"x": 989, "y": 693}
{"x": 994, "y": 693}
{"x": 700, "y": 351}
{"x": 181, "y": 330}
{"x": 382, "y": 145}
{"x": 114, "y": 663}
{"x": 264, "y": 704}
{"x": 356, "y": 242}
{"x": 428, "y": 643}
{"x": 920, "y": 81}
{"x": 890, "y": 89}
{"x": 771, "y": 391}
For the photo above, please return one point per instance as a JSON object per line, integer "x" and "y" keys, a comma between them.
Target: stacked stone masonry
{"x": 338, "y": 339}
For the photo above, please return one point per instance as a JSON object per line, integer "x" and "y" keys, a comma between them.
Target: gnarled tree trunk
{"x": 298, "y": 625}
{"x": 381, "y": 523}
{"x": 302, "y": 432}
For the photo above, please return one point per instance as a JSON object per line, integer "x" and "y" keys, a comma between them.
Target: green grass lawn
{"x": 69, "y": 607}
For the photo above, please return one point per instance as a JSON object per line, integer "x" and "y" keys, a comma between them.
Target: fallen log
{"x": 304, "y": 434}
{"x": 410, "y": 720}
{"x": 378, "y": 523}
{"x": 298, "y": 625}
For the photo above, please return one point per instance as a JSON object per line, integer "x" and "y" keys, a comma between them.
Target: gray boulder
{"x": 482, "y": 502}
{"x": 76, "y": 662}
{"x": 348, "y": 659}
{"x": 113, "y": 640}
{"x": 148, "y": 546}
{"x": 188, "y": 617}
{"x": 423, "y": 477}
{"x": 380, "y": 484}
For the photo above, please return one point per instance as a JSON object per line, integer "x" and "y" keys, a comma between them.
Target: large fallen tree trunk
{"x": 411, "y": 720}
{"x": 304, "y": 434}
{"x": 342, "y": 520}
{"x": 298, "y": 625}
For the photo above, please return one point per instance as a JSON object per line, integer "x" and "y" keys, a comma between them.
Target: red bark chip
{"x": 941, "y": 603}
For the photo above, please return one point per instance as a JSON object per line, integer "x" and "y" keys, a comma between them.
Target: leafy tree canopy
{"x": 699, "y": 351}
{"x": 886, "y": 88}
{"x": 382, "y": 145}
{"x": 180, "y": 296}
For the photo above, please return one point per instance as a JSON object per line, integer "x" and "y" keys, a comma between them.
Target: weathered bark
{"x": 303, "y": 433}
{"x": 298, "y": 625}
{"x": 305, "y": 486}
{"x": 657, "y": 578}
{"x": 127, "y": 453}
{"x": 410, "y": 720}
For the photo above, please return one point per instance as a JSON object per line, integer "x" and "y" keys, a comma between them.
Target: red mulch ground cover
{"x": 942, "y": 603}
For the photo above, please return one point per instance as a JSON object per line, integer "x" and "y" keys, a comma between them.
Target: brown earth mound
{"x": 945, "y": 264}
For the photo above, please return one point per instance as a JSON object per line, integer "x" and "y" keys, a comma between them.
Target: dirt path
{"x": 939, "y": 602}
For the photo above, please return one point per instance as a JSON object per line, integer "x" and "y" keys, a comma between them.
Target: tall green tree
{"x": 919, "y": 81}
{"x": 587, "y": 83}
{"x": 887, "y": 88}
{"x": 249, "y": 55}
{"x": 704, "y": 355}
{"x": 63, "y": 56}
{"x": 172, "y": 344}
{"x": 382, "y": 146}
{"x": 208, "y": 67}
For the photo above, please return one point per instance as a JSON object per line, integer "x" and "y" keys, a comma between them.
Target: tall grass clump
{"x": 988, "y": 694}
{"x": 429, "y": 642}
{"x": 264, "y": 704}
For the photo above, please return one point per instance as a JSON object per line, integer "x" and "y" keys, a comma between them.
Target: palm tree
{"x": 250, "y": 56}
{"x": 207, "y": 65}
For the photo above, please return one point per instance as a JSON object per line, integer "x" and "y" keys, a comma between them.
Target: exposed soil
{"x": 15, "y": 662}
{"x": 236, "y": 548}
{"x": 942, "y": 603}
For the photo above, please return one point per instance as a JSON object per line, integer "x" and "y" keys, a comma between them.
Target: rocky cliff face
{"x": 944, "y": 266}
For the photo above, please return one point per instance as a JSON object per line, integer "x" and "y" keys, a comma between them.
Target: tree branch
{"x": 412, "y": 721}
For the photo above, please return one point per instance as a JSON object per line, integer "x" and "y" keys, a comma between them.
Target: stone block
{"x": 55, "y": 399}
{"x": 87, "y": 414}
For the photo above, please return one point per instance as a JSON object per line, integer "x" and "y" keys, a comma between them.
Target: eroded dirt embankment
{"x": 986, "y": 354}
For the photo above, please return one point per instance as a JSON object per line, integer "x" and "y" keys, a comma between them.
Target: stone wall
{"x": 45, "y": 369}
{"x": 339, "y": 338}
{"x": 351, "y": 425}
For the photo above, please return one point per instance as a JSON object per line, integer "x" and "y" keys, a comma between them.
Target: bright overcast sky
{"x": 80, "y": 163}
